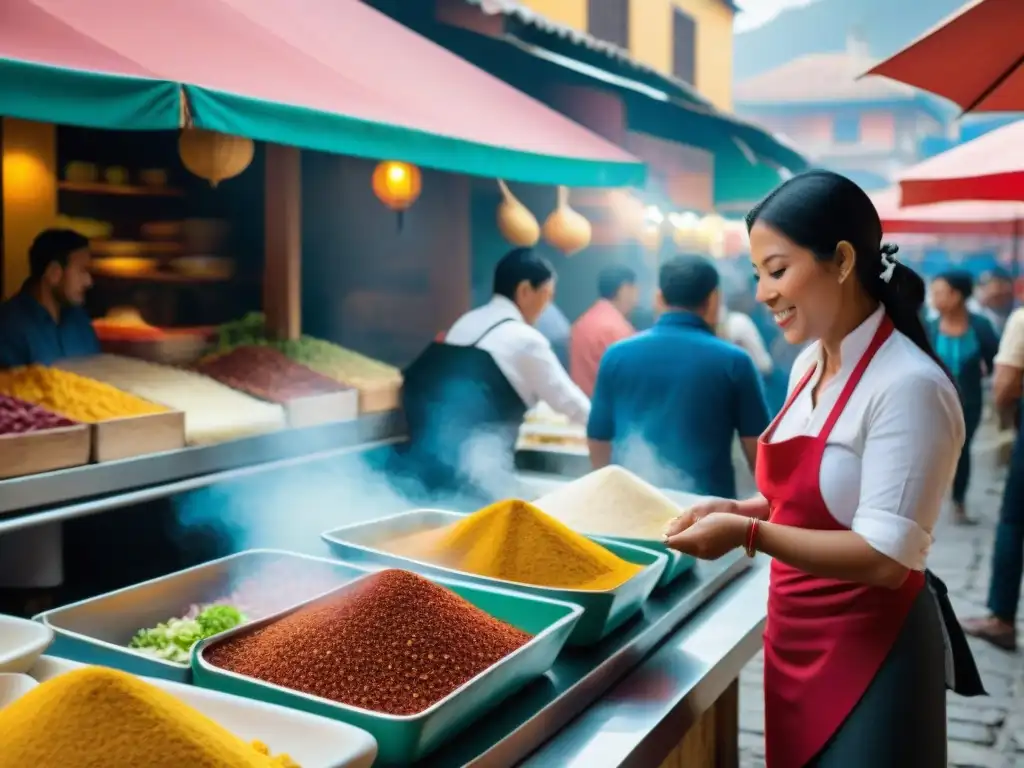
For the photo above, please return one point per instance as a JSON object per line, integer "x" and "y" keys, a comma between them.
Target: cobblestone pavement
{"x": 985, "y": 732}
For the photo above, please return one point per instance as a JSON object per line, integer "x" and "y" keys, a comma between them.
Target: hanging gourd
{"x": 397, "y": 185}
{"x": 214, "y": 156}
{"x": 651, "y": 237}
{"x": 515, "y": 222}
{"x": 565, "y": 229}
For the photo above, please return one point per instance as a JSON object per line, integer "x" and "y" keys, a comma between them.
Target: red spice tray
{"x": 403, "y": 740}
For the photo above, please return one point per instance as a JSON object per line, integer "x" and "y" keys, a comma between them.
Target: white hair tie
{"x": 888, "y": 263}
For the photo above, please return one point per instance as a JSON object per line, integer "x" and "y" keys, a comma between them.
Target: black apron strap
{"x": 966, "y": 678}
{"x": 501, "y": 322}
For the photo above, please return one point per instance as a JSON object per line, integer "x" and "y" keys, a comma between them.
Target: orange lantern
{"x": 397, "y": 185}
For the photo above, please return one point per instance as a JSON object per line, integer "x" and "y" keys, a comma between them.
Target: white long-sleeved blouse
{"x": 890, "y": 459}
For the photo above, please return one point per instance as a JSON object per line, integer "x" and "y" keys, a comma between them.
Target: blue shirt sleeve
{"x": 601, "y": 425}
{"x": 751, "y": 407}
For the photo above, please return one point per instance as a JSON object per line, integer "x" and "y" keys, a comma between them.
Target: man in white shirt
{"x": 1000, "y": 626}
{"x": 465, "y": 398}
{"x": 524, "y": 286}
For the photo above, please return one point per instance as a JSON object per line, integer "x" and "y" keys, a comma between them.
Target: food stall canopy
{"x": 749, "y": 161}
{"x": 330, "y": 75}
{"x": 973, "y": 58}
{"x": 971, "y": 217}
{"x": 990, "y": 167}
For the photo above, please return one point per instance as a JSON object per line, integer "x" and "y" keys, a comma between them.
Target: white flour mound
{"x": 611, "y": 501}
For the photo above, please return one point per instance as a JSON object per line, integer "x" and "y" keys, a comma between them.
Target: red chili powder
{"x": 397, "y": 644}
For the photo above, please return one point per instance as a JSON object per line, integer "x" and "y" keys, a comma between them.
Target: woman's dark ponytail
{"x": 902, "y": 295}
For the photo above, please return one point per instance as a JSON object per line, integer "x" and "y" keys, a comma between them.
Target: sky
{"x": 756, "y": 12}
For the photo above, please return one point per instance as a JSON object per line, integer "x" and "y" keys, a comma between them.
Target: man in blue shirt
{"x": 669, "y": 401}
{"x": 45, "y": 320}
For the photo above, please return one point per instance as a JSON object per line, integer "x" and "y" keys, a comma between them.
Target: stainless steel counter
{"x": 640, "y": 720}
{"x": 539, "y": 719}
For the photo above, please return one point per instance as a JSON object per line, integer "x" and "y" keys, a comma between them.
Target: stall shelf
{"x": 83, "y": 490}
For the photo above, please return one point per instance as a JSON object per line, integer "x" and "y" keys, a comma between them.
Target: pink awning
{"x": 335, "y": 75}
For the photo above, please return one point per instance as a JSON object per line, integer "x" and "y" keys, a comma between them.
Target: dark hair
{"x": 819, "y": 209}
{"x": 959, "y": 280}
{"x": 611, "y": 280}
{"x": 687, "y": 281}
{"x": 996, "y": 274}
{"x": 518, "y": 265}
{"x": 53, "y": 245}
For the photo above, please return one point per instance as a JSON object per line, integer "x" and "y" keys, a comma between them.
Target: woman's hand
{"x": 712, "y": 535}
{"x": 699, "y": 511}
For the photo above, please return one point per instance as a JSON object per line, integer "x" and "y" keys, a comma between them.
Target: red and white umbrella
{"x": 974, "y": 58}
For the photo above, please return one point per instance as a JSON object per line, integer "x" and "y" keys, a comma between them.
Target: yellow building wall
{"x": 572, "y": 13}
{"x": 29, "y": 193}
{"x": 650, "y": 37}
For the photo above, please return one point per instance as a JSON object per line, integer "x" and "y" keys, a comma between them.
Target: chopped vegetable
{"x": 173, "y": 640}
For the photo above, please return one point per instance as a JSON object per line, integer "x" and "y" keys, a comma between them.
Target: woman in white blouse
{"x": 859, "y": 643}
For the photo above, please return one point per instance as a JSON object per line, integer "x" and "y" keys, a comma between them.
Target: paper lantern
{"x": 515, "y": 222}
{"x": 214, "y": 156}
{"x": 397, "y": 184}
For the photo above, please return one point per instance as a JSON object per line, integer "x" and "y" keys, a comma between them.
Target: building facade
{"x": 868, "y": 128}
{"x": 690, "y": 40}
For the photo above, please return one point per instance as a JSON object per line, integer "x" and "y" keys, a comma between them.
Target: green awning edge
{"x": 339, "y": 134}
{"x": 51, "y": 94}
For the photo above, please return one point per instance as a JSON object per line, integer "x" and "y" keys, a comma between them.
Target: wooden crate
{"x": 131, "y": 436}
{"x": 315, "y": 410}
{"x": 45, "y": 451}
{"x": 386, "y": 397}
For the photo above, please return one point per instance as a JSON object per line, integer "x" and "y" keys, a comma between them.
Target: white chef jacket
{"x": 892, "y": 454}
{"x": 524, "y": 355}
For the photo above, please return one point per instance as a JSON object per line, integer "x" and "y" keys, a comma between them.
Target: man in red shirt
{"x": 602, "y": 325}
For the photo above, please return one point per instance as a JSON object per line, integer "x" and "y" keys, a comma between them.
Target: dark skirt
{"x": 901, "y": 719}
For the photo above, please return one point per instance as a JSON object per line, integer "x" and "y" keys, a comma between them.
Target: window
{"x": 684, "y": 47}
{"x": 846, "y": 129}
{"x": 608, "y": 20}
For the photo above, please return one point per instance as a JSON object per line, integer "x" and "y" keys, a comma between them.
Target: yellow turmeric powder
{"x": 512, "y": 540}
{"x": 102, "y": 717}
{"x": 77, "y": 397}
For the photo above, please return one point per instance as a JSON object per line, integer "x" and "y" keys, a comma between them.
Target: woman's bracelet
{"x": 751, "y": 547}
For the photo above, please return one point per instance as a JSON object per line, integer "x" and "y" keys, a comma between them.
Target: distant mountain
{"x": 823, "y": 26}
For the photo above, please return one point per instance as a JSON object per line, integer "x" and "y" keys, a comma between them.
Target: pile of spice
{"x": 611, "y": 501}
{"x": 18, "y": 417}
{"x": 396, "y": 644}
{"x": 102, "y": 717}
{"x": 513, "y": 540}
{"x": 267, "y": 374}
{"x": 213, "y": 412}
{"x": 76, "y": 397}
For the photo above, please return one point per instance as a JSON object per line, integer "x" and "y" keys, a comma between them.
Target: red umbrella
{"x": 990, "y": 167}
{"x": 974, "y": 58}
{"x": 972, "y": 217}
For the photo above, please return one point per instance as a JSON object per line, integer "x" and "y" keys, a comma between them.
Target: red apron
{"x": 825, "y": 639}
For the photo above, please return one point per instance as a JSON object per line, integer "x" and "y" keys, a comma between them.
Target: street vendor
{"x": 861, "y": 641}
{"x": 45, "y": 320}
{"x": 465, "y": 397}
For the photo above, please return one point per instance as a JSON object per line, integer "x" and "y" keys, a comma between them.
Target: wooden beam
{"x": 712, "y": 741}
{"x": 282, "y": 268}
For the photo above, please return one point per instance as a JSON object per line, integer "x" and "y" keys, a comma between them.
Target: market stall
{"x": 583, "y": 645}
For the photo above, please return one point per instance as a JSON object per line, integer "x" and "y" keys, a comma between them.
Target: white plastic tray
{"x": 21, "y": 643}
{"x": 311, "y": 741}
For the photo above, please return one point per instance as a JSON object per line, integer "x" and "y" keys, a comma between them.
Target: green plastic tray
{"x": 406, "y": 739}
{"x": 603, "y": 612}
{"x": 678, "y": 563}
